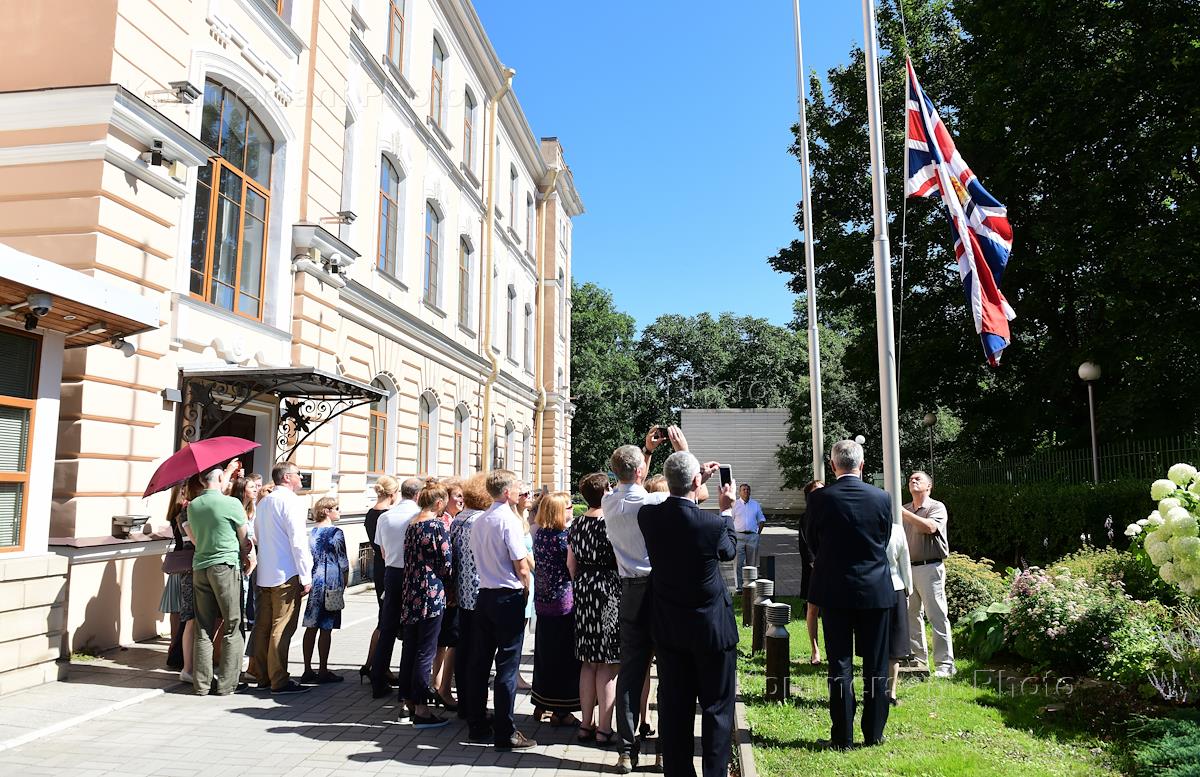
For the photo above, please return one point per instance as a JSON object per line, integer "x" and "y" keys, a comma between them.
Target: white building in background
{"x": 299, "y": 189}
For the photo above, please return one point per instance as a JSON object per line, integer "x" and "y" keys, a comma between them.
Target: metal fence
{"x": 1140, "y": 459}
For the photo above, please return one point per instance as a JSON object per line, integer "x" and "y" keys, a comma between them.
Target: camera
{"x": 40, "y": 304}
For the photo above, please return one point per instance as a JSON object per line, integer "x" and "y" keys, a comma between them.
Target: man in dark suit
{"x": 849, "y": 526}
{"x": 692, "y": 618}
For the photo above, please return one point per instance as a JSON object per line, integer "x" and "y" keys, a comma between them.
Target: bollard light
{"x": 763, "y": 591}
{"x": 749, "y": 575}
{"x": 778, "y": 615}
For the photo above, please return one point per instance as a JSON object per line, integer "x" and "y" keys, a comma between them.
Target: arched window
{"x": 433, "y": 223}
{"x": 562, "y": 304}
{"x": 469, "y": 131}
{"x": 462, "y": 440}
{"x": 510, "y": 345}
{"x": 435, "y": 82}
{"x": 377, "y": 433}
{"x": 529, "y": 338}
{"x": 389, "y": 215}
{"x": 395, "y": 49}
{"x": 529, "y": 222}
{"x": 426, "y": 418}
{"x": 512, "y": 197}
{"x": 510, "y": 442}
{"x": 464, "y": 282}
{"x": 233, "y": 198}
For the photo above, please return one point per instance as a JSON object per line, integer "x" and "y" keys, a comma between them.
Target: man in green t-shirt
{"x": 217, "y": 524}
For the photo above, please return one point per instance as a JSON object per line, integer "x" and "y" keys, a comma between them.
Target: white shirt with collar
{"x": 620, "y": 522}
{"x": 747, "y": 516}
{"x": 281, "y": 526}
{"x": 389, "y": 532}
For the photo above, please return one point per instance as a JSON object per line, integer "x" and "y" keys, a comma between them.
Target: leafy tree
{"x": 1081, "y": 118}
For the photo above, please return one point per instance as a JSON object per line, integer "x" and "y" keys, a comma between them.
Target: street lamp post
{"x": 1089, "y": 373}
{"x": 929, "y": 421}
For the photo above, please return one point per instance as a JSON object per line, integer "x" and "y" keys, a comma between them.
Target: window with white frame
{"x": 462, "y": 441}
{"x": 529, "y": 210}
{"x": 512, "y": 196}
{"x": 433, "y": 224}
{"x": 510, "y": 345}
{"x": 528, "y": 338}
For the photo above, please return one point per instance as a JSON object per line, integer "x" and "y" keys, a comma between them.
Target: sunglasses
{"x": 525, "y": 494}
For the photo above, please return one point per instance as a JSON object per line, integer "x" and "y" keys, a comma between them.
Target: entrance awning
{"x": 307, "y": 399}
{"x": 86, "y": 310}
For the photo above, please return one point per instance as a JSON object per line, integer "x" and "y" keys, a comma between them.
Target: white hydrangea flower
{"x": 1181, "y": 474}
{"x": 1183, "y": 524}
{"x": 1161, "y": 489}
{"x": 1155, "y": 520}
{"x": 1184, "y": 547}
{"x": 1195, "y": 487}
{"x": 1133, "y": 530}
{"x": 1159, "y": 551}
{"x": 1143, "y": 521}
{"x": 1166, "y": 505}
{"x": 1167, "y": 572}
{"x": 1188, "y": 585}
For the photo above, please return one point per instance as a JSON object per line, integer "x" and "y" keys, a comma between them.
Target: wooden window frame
{"x": 512, "y": 196}
{"x": 22, "y": 478}
{"x": 468, "y": 131}
{"x": 392, "y": 241}
{"x": 432, "y": 259}
{"x": 511, "y": 330}
{"x": 396, "y": 30}
{"x": 219, "y": 163}
{"x": 436, "y": 83}
{"x": 464, "y": 283}
{"x": 424, "y": 435}
{"x": 529, "y": 203}
{"x": 377, "y": 442}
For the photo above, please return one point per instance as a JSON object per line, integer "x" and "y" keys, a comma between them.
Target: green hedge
{"x": 1040, "y": 522}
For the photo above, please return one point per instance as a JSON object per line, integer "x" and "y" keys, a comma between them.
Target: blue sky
{"x": 674, "y": 117}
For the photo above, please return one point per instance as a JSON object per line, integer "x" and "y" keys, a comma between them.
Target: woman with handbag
{"x": 331, "y": 571}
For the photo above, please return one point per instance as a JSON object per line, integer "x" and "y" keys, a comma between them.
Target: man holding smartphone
{"x": 748, "y": 523}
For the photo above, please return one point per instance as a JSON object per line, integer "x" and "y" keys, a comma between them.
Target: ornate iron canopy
{"x": 307, "y": 399}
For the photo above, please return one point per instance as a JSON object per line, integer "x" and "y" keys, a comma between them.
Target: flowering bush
{"x": 1073, "y": 624}
{"x": 971, "y": 584}
{"x": 1170, "y": 536}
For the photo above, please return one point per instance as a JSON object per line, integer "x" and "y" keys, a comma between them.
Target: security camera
{"x": 336, "y": 263}
{"x": 40, "y": 304}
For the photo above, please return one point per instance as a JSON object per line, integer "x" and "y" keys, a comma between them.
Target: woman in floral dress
{"x": 331, "y": 571}
{"x": 597, "y": 591}
{"x": 427, "y": 561}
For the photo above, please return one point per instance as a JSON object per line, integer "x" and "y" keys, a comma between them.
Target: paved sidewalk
{"x": 123, "y": 714}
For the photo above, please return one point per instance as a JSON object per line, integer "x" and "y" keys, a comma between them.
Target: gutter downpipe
{"x": 489, "y": 238}
{"x": 539, "y": 410}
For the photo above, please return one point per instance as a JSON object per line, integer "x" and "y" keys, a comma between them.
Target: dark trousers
{"x": 416, "y": 659}
{"x": 683, "y": 677}
{"x": 389, "y": 627}
{"x": 869, "y": 628}
{"x": 636, "y": 648}
{"x": 462, "y": 661}
{"x": 496, "y": 631}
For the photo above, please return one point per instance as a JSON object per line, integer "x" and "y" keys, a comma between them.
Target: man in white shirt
{"x": 748, "y": 523}
{"x": 284, "y": 577}
{"x": 502, "y": 561}
{"x": 389, "y": 536}
{"x": 621, "y": 508}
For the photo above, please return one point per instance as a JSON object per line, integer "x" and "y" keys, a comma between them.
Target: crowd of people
{"x": 463, "y": 568}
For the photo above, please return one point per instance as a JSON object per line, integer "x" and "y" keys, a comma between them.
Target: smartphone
{"x": 726, "y": 475}
{"x": 660, "y": 432}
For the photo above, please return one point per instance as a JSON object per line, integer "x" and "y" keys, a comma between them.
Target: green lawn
{"x": 963, "y": 726}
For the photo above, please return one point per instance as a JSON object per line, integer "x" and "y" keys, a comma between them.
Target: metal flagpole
{"x": 810, "y": 272}
{"x": 888, "y": 403}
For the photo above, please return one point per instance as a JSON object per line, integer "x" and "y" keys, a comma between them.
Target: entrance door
{"x": 246, "y": 426}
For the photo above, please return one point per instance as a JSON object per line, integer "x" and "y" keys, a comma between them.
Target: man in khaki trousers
{"x": 284, "y": 577}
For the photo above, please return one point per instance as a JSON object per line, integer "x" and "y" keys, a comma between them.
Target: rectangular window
{"x": 512, "y": 197}
{"x": 469, "y": 132}
{"x": 529, "y": 338}
{"x": 376, "y": 441}
{"x": 18, "y": 392}
{"x": 395, "y": 49}
{"x": 464, "y": 283}
{"x": 510, "y": 345}
{"x": 432, "y": 223}
{"x": 529, "y": 223}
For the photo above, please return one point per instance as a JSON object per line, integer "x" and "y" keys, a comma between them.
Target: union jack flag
{"x": 978, "y": 221}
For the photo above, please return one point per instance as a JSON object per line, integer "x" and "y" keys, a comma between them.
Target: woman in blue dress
{"x": 331, "y": 571}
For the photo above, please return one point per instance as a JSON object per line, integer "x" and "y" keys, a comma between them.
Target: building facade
{"x": 301, "y": 189}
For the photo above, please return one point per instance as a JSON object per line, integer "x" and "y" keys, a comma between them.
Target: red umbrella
{"x": 193, "y": 459}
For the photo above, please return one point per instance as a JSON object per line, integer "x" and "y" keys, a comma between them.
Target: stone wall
{"x": 32, "y": 619}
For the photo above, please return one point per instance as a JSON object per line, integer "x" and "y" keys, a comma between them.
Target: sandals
{"x": 645, "y": 732}
{"x": 609, "y": 738}
{"x": 560, "y": 719}
{"x": 586, "y": 733}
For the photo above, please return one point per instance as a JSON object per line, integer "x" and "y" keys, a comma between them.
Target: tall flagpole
{"x": 810, "y": 272}
{"x": 888, "y": 404}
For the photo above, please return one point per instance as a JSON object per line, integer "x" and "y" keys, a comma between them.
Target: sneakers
{"x": 944, "y": 671}
{"x": 310, "y": 678}
{"x": 291, "y": 687}
{"x": 625, "y": 764}
{"x": 517, "y": 741}
{"x": 429, "y": 721}
{"x": 184, "y": 677}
